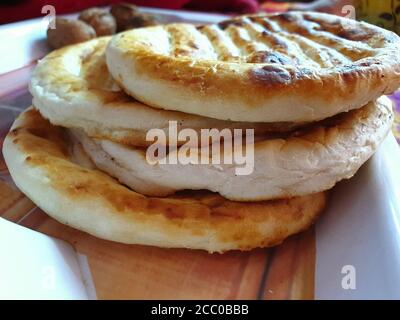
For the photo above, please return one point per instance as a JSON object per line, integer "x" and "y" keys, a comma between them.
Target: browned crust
{"x": 374, "y": 69}
{"x": 92, "y": 85}
{"x": 44, "y": 149}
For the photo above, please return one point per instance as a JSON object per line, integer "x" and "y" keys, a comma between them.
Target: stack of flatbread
{"x": 310, "y": 88}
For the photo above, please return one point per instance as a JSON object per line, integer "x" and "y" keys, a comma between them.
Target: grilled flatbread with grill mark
{"x": 290, "y": 67}
{"x": 73, "y": 88}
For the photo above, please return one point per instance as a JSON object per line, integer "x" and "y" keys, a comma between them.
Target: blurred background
{"x": 384, "y": 13}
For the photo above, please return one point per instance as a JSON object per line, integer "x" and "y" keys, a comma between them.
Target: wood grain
{"x": 294, "y": 260}
{"x": 138, "y": 272}
{"x": 13, "y": 204}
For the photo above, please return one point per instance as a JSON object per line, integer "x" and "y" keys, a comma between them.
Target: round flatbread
{"x": 281, "y": 67}
{"x": 38, "y": 157}
{"x": 301, "y": 163}
{"x": 73, "y": 88}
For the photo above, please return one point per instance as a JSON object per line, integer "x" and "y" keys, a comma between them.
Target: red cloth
{"x": 26, "y": 9}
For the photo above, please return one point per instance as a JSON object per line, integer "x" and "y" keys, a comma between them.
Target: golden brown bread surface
{"x": 38, "y": 158}
{"x": 73, "y": 88}
{"x": 281, "y": 67}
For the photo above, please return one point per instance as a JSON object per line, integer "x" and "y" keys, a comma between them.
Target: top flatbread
{"x": 281, "y": 67}
{"x": 73, "y": 88}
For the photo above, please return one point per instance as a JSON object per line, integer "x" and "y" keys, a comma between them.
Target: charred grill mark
{"x": 285, "y": 17}
{"x": 354, "y": 34}
{"x": 211, "y": 47}
{"x": 347, "y": 31}
{"x": 267, "y": 24}
{"x": 269, "y": 57}
{"x": 342, "y": 28}
{"x": 270, "y": 75}
{"x": 275, "y": 40}
{"x": 232, "y": 22}
{"x": 323, "y": 55}
{"x": 282, "y": 39}
{"x": 242, "y": 40}
{"x": 352, "y": 50}
{"x": 190, "y": 42}
{"x": 170, "y": 41}
{"x": 299, "y": 48}
{"x": 259, "y": 32}
{"x": 276, "y": 49}
{"x": 282, "y": 44}
{"x": 222, "y": 44}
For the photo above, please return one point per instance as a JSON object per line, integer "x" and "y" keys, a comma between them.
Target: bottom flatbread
{"x": 39, "y": 159}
